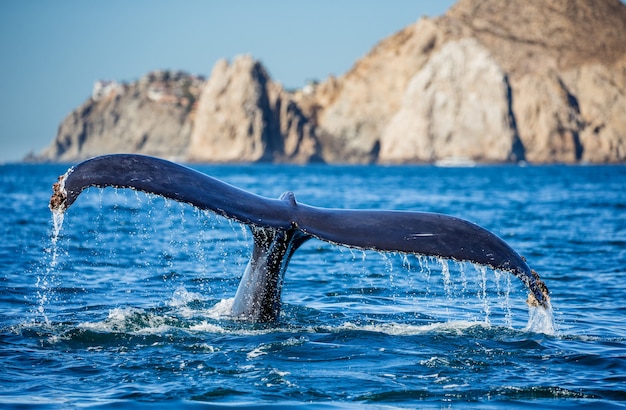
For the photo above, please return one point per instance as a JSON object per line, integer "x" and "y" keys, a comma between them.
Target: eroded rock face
{"x": 601, "y": 93}
{"x": 148, "y": 117}
{"x": 548, "y": 135}
{"x": 532, "y": 36}
{"x": 565, "y": 64}
{"x": 232, "y": 115}
{"x": 243, "y": 117}
{"x": 352, "y": 120}
{"x": 456, "y": 106}
{"x": 300, "y": 143}
{"x": 491, "y": 80}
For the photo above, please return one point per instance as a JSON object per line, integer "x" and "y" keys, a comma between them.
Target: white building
{"x": 105, "y": 88}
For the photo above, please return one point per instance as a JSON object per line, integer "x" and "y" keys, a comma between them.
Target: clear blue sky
{"x": 52, "y": 51}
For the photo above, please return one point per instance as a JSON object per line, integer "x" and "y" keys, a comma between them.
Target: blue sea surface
{"x": 122, "y": 303}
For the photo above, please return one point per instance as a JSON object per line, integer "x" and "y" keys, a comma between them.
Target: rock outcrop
{"x": 552, "y": 89}
{"x": 244, "y": 117}
{"x": 489, "y": 81}
{"x": 353, "y": 118}
{"x": 566, "y": 63}
{"x": 456, "y": 106}
{"x": 152, "y": 116}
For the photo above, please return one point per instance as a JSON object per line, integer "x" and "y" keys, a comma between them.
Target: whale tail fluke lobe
{"x": 280, "y": 226}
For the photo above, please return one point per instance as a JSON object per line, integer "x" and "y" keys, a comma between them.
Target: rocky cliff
{"x": 490, "y": 81}
{"x": 152, "y": 116}
{"x": 541, "y": 81}
{"x": 244, "y": 117}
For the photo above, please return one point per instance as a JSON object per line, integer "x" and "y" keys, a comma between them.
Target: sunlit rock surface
{"x": 489, "y": 81}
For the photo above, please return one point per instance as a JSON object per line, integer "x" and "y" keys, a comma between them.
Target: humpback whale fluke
{"x": 280, "y": 226}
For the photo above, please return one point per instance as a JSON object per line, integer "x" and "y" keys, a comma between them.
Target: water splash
{"x": 505, "y": 296}
{"x": 465, "y": 290}
{"x": 453, "y": 295}
{"x": 541, "y": 320}
{"x": 45, "y": 281}
{"x": 57, "y": 224}
{"x": 445, "y": 273}
{"x": 482, "y": 295}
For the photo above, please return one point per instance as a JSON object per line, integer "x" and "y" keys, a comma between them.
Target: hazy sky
{"x": 52, "y": 51}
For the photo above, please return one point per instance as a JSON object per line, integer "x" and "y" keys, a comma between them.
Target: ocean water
{"x": 121, "y": 304}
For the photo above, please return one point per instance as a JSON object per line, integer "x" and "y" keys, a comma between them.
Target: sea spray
{"x": 45, "y": 281}
{"x": 482, "y": 294}
{"x": 504, "y": 295}
{"x": 373, "y": 287}
{"x": 541, "y": 320}
{"x": 445, "y": 274}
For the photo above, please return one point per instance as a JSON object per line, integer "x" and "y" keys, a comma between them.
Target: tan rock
{"x": 456, "y": 106}
{"x": 243, "y": 117}
{"x": 548, "y": 118}
{"x": 528, "y": 36}
{"x": 353, "y": 120}
{"x": 564, "y": 62}
{"x": 126, "y": 119}
{"x": 491, "y": 80}
{"x": 232, "y": 114}
{"x": 601, "y": 93}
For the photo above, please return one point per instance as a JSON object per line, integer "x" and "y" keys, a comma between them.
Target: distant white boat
{"x": 455, "y": 162}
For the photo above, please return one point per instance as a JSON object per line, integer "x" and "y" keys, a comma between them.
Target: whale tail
{"x": 280, "y": 226}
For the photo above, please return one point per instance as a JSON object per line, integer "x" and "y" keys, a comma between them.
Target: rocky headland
{"x": 542, "y": 81}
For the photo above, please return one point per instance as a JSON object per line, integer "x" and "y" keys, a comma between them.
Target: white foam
{"x": 124, "y": 320}
{"x": 221, "y": 310}
{"x": 259, "y": 351}
{"x": 402, "y": 329}
{"x": 262, "y": 349}
{"x": 207, "y": 327}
